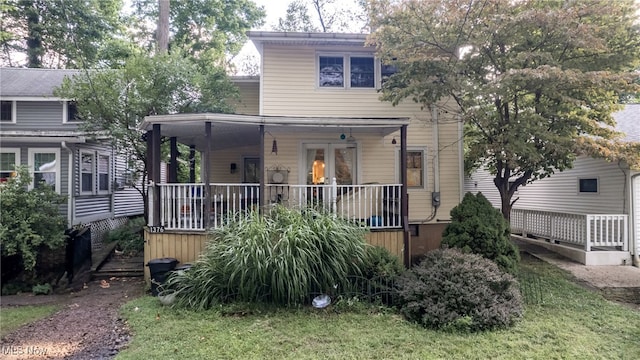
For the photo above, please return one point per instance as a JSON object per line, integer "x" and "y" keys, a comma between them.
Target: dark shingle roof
{"x": 628, "y": 121}
{"x": 27, "y": 82}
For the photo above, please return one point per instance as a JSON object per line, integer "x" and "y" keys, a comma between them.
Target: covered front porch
{"x": 255, "y": 162}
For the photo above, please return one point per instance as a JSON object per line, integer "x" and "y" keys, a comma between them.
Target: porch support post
{"x": 404, "y": 196}
{"x": 262, "y": 195}
{"x": 156, "y": 140}
{"x": 192, "y": 164}
{"x": 206, "y": 164}
{"x": 173, "y": 164}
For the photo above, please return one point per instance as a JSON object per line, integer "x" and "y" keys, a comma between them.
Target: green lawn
{"x": 569, "y": 323}
{"x": 12, "y": 318}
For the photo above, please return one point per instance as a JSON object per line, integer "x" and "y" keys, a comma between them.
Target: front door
{"x": 323, "y": 162}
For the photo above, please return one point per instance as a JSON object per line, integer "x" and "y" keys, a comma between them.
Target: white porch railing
{"x": 587, "y": 231}
{"x": 182, "y": 206}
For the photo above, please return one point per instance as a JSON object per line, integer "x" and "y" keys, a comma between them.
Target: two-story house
{"x": 312, "y": 129}
{"x": 42, "y": 132}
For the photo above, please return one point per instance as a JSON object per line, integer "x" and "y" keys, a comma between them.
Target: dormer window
{"x": 8, "y": 111}
{"x": 70, "y": 112}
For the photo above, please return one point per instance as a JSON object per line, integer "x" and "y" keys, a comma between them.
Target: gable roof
{"x": 628, "y": 121}
{"x": 29, "y": 82}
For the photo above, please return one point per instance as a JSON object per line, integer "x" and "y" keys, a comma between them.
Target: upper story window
{"x": 359, "y": 71}
{"x": 386, "y": 70}
{"x": 9, "y": 158}
{"x": 8, "y": 111}
{"x": 331, "y": 71}
{"x": 70, "y": 112}
{"x": 362, "y": 72}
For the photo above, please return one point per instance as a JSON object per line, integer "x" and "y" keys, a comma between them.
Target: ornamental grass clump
{"x": 279, "y": 257}
{"x": 477, "y": 227}
{"x": 453, "y": 290}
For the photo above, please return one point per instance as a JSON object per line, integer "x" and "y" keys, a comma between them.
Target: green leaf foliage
{"x": 30, "y": 219}
{"x": 456, "y": 291}
{"x": 536, "y": 81}
{"x": 479, "y": 228}
{"x": 279, "y": 258}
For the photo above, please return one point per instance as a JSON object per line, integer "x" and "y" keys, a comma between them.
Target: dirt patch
{"x": 87, "y": 326}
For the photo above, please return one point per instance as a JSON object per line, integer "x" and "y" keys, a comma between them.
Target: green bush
{"x": 380, "y": 263}
{"x": 129, "y": 236}
{"x": 450, "y": 289}
{"x": 479, "y": 228}
{"x": 30, "y": 219}
{"x": 41, "y": 289}
{"x": 279, "y": 257}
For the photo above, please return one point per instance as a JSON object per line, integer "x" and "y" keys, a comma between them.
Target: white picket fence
{"x": 587, "y": 231}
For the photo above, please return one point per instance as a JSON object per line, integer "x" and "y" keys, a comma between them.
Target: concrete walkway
{"x": 619, "y": 283}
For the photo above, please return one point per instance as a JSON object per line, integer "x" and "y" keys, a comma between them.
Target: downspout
{"x": 633, "y": 225}
{"x": 435, "y": 195}
{"x": 460, "y": 156}
{"x": 70, "y": 207}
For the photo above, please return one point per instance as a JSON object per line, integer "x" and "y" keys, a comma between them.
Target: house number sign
{"x": 156, "y": 229}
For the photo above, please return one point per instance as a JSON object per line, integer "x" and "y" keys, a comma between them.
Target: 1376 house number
{"x": 156, "y": 229}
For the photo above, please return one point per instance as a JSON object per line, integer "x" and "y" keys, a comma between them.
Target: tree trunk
{"x": 163, "y": 26}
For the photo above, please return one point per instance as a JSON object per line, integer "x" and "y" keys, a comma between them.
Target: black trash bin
{"x": 159, "y": 269}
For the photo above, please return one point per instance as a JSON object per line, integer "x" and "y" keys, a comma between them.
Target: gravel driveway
{"x": 86, "y": 327}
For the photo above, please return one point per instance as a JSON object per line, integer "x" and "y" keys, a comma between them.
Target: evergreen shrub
{"x": 450, "y": 289}
{"x": 477, "y": 227}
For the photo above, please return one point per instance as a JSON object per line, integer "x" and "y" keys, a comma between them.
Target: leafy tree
{"x": 30, "y": 219}
{"x": 58, "y": 33}
{"x": 324, "y": 16}
{"x": 535, "y": 80}
{"x": 206, "y": 29}
{"x": 296, "y": 19}
{"x": 116, "y": 101}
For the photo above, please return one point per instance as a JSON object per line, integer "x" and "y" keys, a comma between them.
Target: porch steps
{"x": 107, "y": 264}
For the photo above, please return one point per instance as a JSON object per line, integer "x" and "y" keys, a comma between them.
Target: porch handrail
{"x": 585, "y": 230}
{"x": 182, "y": 205}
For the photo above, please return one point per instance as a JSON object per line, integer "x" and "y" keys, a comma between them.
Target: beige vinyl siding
{"x": 290, "y": 88}
{"x": 221, "y": 163}
{"x": 560, "y": 191}
{"x": 249, "y": 102}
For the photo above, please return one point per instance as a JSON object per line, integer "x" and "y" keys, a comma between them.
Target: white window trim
{"x": 15, "y": 151}
{"x": 597, "y": 178}
{"x": 346, "y": 71}
{"x": 109, "y": 173}
{"x": 93, "y": 173}
{"x": 14, "y": 108}
{"x": 425, "y": 173}
{"x": 65, "y": 112}
{"x": 56, "y": 151}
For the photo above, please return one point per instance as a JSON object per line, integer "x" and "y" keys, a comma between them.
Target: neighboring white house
{"x": 560, "y": 207}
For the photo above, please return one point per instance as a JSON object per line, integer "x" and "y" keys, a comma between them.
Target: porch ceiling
{"x": 232, "y": 130}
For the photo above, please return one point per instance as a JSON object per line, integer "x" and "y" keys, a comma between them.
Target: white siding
{"x": 560, "y": 191}
{"x": 636, "y": 215}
